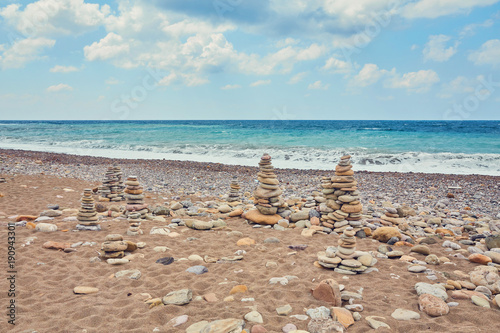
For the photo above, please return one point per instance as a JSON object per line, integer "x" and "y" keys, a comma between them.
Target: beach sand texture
{"x": 45, "y": 278}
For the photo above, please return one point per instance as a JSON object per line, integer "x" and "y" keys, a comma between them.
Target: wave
{"x": 297, "y": 157}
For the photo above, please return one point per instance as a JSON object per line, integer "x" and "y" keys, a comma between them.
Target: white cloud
{"x": 24, "y": 51}
{"x": 414, "y": 47}
{"x": 190, "y": 80}
{"x": 368, "y": 75}
{"x": 63, "y": 69}
{"x": 437, "y": 8}
{"x": 338, "y": 66}
{"x": 297, "y": 78}
{"x": 318, "y": 85}
{"x": 59, "y": 87}
{"x": 260, "y": 83}
{"x": 470, "y": 29}
{"x": 109, "y": 47}
{"x": 488, "y": 53}
{"x": 231, "y": 86}
{"x": 112, "y": 81}
{"x": 436, "y": 50}
{"x": 459, "y": 85}
{"x": 55, "y": 17}
{"x": 418, "y": 82}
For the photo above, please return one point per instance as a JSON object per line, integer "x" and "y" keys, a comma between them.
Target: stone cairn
{"x": 113, "y": 247}
{"x": 268, "y": 193}
{"x": 344, "y": 258}
{"x": 87, "y": 215}
{"x": 112, "y": 185}
{"x": 234, "y": 192}
{"x": 343, "y": 207}
{"x": 136, "y": 209}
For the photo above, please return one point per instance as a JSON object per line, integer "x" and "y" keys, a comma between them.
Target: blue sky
{"x": 241, "y": 59}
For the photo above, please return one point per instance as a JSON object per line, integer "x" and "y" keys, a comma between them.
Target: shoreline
{"x": 205, "y": 179}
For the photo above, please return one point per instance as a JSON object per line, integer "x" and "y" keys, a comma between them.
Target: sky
{"x": 250, "y": 59}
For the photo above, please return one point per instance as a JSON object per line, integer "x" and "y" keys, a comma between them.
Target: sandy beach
{"x": 462, "y": 210}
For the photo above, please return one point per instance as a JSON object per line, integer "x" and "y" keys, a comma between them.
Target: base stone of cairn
{"x": 268, "y": 201}
{"x": 344, "y": 258}
{"x": 87, "y": 215}
{"x": 135, "y": 209}
{"x": 234, "y": 192}
{"x": 112, "y": 185}
{"x": 343, "y": 207}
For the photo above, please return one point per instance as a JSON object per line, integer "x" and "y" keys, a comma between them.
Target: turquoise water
{"x": 404, "y": 146}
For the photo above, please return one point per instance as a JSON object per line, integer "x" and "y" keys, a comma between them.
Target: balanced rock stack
{"x": 267, "y": 196}
{"x": 115, "y": 247}
{"x": 112, "y": 185}
{"x": 87, "y": 215}
{"x": 135, "y": 198}
{"x": 268, "y": 193}
{"x": 134, "y": 221}
{"x": 234, "y": 192}
{"x": 342, "y": 198}
{"x": 345, "y": 259}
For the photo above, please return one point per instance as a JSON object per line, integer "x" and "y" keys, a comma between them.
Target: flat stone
{"x": 133, "y": 274}
{"x": 223, "y": 325}
{"x": 417, "y": 269}
{"x": 46, "y": 227}
{"x": 198, "y": 270}
{"x": 178, "y": 297}
{"x": 85, "y": 290}
{"x": 375, "y": 323}
{"x": 284, "y": 310}
{"x": 402, "y": 314}
{"x": 479, "y": 301}
{"x": 432, "y": 289}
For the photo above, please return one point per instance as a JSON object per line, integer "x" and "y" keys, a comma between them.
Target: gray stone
{"x": 284, "y": 310}
{"x": 321, "y": 312}
{"x": 198, "y": 270}
{"x": 432, "y": 289}
{"x": 51, "y": 213}
{"x": 133, "y": 274}
{"x": 178, "y": 297}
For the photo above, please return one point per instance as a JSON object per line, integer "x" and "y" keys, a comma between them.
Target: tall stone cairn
{"x": 112, "y": 185}
{"x": 268, "y": 193}
{"x": 87, "y": 215}
{"x": 234, "y": 192}
{"x": 135, "y": 209}
{"x": 344, "y": 208}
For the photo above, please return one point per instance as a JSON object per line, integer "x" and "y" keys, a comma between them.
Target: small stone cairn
{"x": 268, "y": 193}
{"x": 87, "y": 215}
{"x": 114, "y": 247}
{"x": 234, "y": 192}
{"x": 112, "y": 185}
{"x": 343, "y": 207}
{"x": 344, "y": 258}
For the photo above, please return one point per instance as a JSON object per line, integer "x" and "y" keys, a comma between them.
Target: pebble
{"x": 254, "y": 317}
{"x": 198, "y": 270}
{"x": 284, "y": 310}
{"x": 479, "y": 301}
{"x": 403, "y": 314}
{"x": 375, "y": 323}
{"x": 432, "y": 289}
{"x": 417, "y": 269}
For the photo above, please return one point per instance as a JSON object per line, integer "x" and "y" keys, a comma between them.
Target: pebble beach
{"x": 425, "y": 249}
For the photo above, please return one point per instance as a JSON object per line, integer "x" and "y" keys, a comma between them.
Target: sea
{"x": 449, "y": 147}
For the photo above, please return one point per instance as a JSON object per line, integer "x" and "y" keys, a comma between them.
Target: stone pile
{"x": 310, "y": 202}
{"x": 234, "y": 192}
{"x": 344, "y": 258}
{"x": 343, "y": 207}
{"x": 135, "y": 198}
{"x": 268, "y": 193}
{"x": 112, "y": 185}
{"x": 115, "y": 247}
{"x": 134, "y": 221}
{"x": 87, "y": 215}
